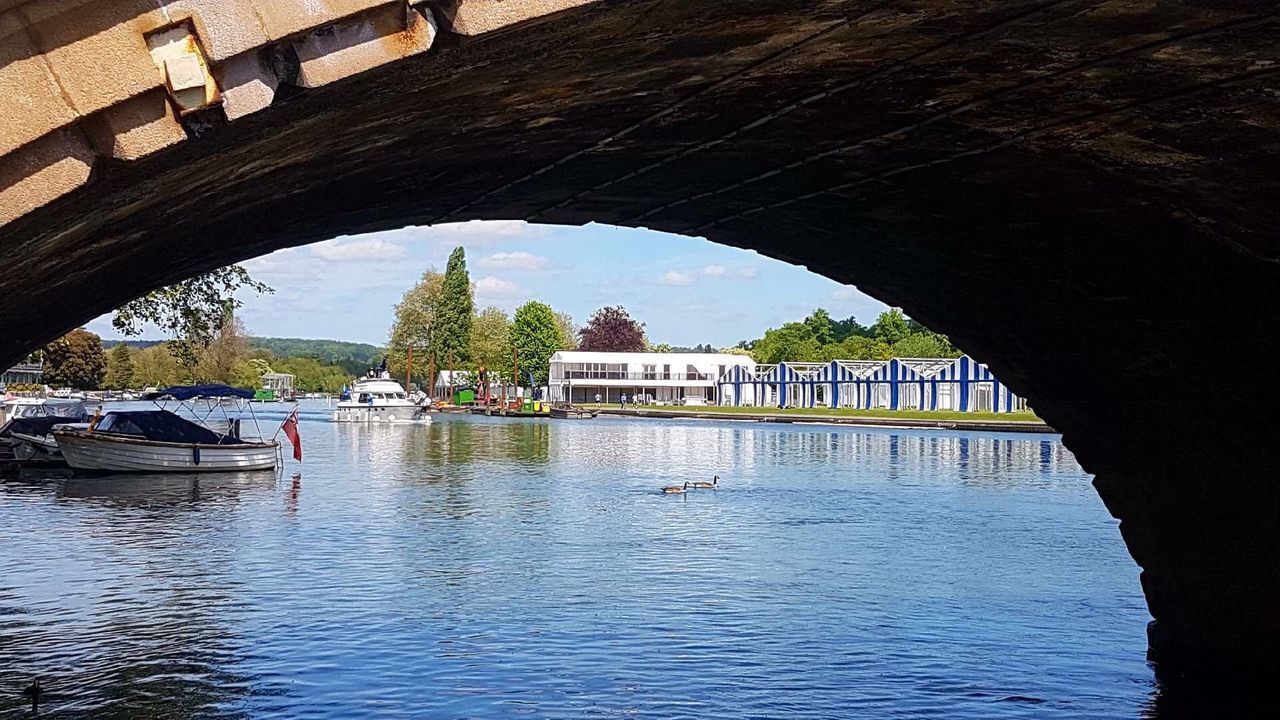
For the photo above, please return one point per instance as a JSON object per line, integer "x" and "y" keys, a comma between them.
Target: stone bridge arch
{"x": 1080, "y": 192}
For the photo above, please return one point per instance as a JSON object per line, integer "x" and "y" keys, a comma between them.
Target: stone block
{"x": 225, "y": 28}
{"x": 135, "y": 128}
{"x": 363, "y": 42}
{"x": 181, "y": 60}
{"x": 283, "y": 18}
{"x": 97, "y": 50}
{"x": 475, "y": 17}
{"x": 32, "y": 104}
{"x": 42, "y": 171}
{"x": 248, "y": 85}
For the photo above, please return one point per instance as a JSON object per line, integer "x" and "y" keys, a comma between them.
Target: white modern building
{"x": 685, "y": 378}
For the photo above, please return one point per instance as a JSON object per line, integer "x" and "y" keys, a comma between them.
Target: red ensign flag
{"x": 290, "y": 428}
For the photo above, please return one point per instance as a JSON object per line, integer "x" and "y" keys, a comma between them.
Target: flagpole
{"x": 292, "y": 413}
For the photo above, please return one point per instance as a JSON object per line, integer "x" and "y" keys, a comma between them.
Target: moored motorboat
{"x": 30, "y": 422}
{"x": 159, "y": 441}
{"x": 162, "y": 441}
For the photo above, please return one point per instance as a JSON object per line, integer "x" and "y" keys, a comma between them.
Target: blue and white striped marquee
{"x": 960, "y": 384}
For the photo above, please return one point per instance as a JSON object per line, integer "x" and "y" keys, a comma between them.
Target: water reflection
{"x": 483, "y": 566}
{"x": 126, "y": 489}
{"x": 155, "y": 636}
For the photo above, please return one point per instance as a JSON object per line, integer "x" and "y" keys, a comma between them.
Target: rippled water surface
{"x": 492, "y": 568}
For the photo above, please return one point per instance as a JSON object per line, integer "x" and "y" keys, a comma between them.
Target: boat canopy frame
{"x": 186, "y": 397}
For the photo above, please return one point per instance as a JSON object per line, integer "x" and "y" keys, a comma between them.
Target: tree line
{"x": 79, "y": 360}
{"x": 437, "y": 323}
{"x": 819, "y": 338}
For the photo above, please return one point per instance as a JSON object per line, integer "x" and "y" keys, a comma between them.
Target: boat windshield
{"x": 71, "y": 409}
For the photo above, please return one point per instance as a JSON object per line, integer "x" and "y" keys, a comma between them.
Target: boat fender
{"x": 195, "y": 454}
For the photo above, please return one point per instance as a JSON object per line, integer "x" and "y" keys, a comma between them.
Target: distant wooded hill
{"x": 331, "y": 352}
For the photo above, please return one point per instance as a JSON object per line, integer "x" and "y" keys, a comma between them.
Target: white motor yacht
{"x": 378, "y": 399}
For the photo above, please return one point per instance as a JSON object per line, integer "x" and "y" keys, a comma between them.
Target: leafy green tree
{"x": 311, "y": 375}
{"x": 891, "y": 326}
{"x": 857, "y": 347}
{"x": 217, "y": 359}
{"x": 454, "y": 314}
{"x": 75, "y": 360}
{"x": 924, "y": 345}
{"x": 491, "y": 342}
{"x": 248, "y": 373}
{"x": 847, "y": 328}
{"x": 414, "y": 325}
{"x": 820, "y": 326}
{"x": 192, "y": 311}
{"x": 568, "y": 331}
{"x": 155, "y": 366}
{"x": 119, "y": 368}
{"x": 792, "y": 342}
{"x": 660, "y": 348}
{"x": 536, "y": 336}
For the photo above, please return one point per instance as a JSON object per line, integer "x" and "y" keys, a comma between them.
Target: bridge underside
{"x": 1081, "y": 193}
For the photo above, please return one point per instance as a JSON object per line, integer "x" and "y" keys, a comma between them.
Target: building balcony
{"x": 596, "y": 376}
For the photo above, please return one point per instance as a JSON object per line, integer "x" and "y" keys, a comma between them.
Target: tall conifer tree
{"x": 455, "y": 314}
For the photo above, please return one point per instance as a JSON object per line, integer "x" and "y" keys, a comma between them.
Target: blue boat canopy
{"x": 186, "y": 392}
{"x": 161, "y": 426}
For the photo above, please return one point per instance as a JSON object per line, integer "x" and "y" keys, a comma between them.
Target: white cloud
{"x": 749, "y": 273}
{"x": 494, "y": 287}
{"x": 675, "y": 278}
{"x": 715, "y": 270}
{"x": 517, "y": 260}
{"x": 845, "y": 293}
{"x": 365, "y": 249}
{"x": 474, "y": 232}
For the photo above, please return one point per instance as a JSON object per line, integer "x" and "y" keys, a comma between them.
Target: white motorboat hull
{"x": 385, "y": 414}
{"x": 89, "y": 451}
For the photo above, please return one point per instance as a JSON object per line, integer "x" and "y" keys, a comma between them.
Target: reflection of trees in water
{"x": 130, "y": 615}
{"x": 460, "y": 442}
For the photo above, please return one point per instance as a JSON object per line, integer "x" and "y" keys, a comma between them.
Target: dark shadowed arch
{"x": 1082, "y": 193}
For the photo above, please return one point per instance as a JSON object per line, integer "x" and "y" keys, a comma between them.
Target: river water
{"x": 497, "y": 568}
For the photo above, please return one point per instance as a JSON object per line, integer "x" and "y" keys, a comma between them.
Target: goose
{"x": 675, "y": 489}
{"x": 702, "y": 485}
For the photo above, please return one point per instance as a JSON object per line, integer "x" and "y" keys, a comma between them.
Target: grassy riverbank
{"x": 878, "y": 414}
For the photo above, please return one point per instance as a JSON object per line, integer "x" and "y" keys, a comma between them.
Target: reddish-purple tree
{"x": 611, "y": 329}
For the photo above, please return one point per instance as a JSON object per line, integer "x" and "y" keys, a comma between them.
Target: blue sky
{"x": 686, "y": 290}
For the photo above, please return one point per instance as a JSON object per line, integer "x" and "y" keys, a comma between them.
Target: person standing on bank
{"x": 623, "y": 406}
